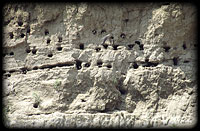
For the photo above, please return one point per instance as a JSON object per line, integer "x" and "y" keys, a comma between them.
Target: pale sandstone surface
{"x": 56, "y": 73}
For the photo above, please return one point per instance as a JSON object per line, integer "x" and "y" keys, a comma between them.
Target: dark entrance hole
{"x": 109, "y": 66}
{"x": 97, "y": 49}
{"x": 20, "y": 23}
{"x": 184, "y": 46}
{"x": 141, "y": 47}
{"x": 50, "y": 55}
{"x": 81, "y": 46}
{"x": 103, "y": 31}
{"x": 46, "y": 32}
{"x": 105, "y": 46}
{"x": 11, "y": 35}
{"x": 99, "y": 63}
{"x": 78, "y": 64}
{"x": 59, "y": 39}
{"x": 115, "y": 47}
{"x": 137, "y": 42}
{"x": 11, "y": 53}
{"x": 59, "y": 48}
{"x": 135, "y": 65}
{"x": 87, "y": 64}
{"x": 35, "y": 105}
{"x": 94, "y": 32}
{"x": 123, "y": 35}
{"x": 24, "y": 70}
{"x": 28, "y": 29}
{"x": 166, "y": 48}
{"x": 22, "y": 35}
{"x": 186, "y": 61}
{"x": 175, "y": 61}
{"x": 35, "y": 68}
{"x": 34, "y": 51}
{"x": 48, "y": 40}
{"x": 28, "y": 50}
{"x": 130, "y": 46}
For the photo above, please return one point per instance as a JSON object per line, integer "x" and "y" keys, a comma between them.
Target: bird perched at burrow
{"x": 107, "y": 40}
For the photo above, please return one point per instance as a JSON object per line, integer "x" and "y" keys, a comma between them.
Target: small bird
{"x": 105, "y": 38}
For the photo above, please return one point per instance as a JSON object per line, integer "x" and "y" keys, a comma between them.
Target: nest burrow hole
{"x": 123, "y": 35}
{"x": 59, "y": 39}
{"x": 59, "y": 48}
{"x": 78, "y": 64}
{"x": 20, "y": 23}
{"x": 48, "y": 40}
{"x": 87, "y": 64}
{"x": 81, "y": 46}
{"x": 115, "y": 47}
{"x": 11, "y": 35}
{"x": 50, "y": 55}
{"x": 175, "y": 61}
{"x": 46, "y": 32}
{"x": 99, "y": 63}
{"x": 34, "y": 51}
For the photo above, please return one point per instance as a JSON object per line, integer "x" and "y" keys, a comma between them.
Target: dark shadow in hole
{"x": 8, "y": 75}
{"x": 122, "y": 91}
{"x": 97, "y": 49}
{"x": 81, "y": 46}
{"x": 103, "y": 31}
{"x": 34, "y": 51}
{"x": 115, "y": 47}
{"x": 36, "y": 104}
{"x": 141, "y": 47}
{"x": 94, "y": 32}
{"x": 46, "y": 32}
{"x": 137, "y": 42}
{"x": 184, "y": 46}
{"x": 105, "y": 46}
{"x": 28, "y": 50}
{"x": 82, "y": 100}
{"x": 78, "y": 64}
{"x": 20, "y": 23}
{"x": 99, "y": 63}
{"x": 130, "y": 46}
{"x": 123, "y": 35}
{"x": 12, "y": 71}
{"x": 28, "y": 29}
{"x": 126, "y": 20}
{"x": 11, "y": 53}
{"x": 35, "y": 68}
{"x": 64, "y": 64}
{"x": 109, "y": 66}
{"x": 22, "y": 35}
{"x": 48, "y": 40}
{"x": 150, "y": 64}
{"x": 24, "y": 70}
{"x": 59, "y": 39}
{"x": 59, "y": 48}
{"x": 11, "y": 35}
{"x": 87, "y": 64}
{"x": 186, "y": 61}
{"x": 175, "y": 61}
{"x": 135, "y": 65}
{"x": 50, "y": 55}
{"x": 166, "y": 48}
{"x": 111, "y": 37}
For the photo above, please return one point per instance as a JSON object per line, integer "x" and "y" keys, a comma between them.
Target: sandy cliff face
{"x": 99, "y": 65}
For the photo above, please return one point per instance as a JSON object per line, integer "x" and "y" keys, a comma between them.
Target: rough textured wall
{"x": 99, "y": 65}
